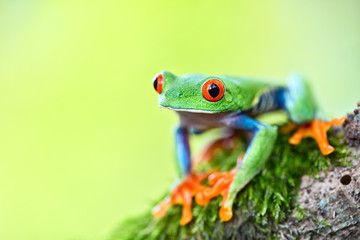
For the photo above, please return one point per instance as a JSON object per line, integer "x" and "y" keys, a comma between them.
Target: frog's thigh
{"x": 298, "y": 99}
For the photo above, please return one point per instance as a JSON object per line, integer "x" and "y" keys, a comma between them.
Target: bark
{"x": 332, "y": 204}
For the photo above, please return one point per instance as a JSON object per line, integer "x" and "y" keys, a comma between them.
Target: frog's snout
{"x": 173, "y": 93}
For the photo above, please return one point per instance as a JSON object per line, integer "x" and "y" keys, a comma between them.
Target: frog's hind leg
{"x": 298, "y": 101}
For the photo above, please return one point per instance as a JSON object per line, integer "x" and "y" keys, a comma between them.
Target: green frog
{"x": 205, "y": 102}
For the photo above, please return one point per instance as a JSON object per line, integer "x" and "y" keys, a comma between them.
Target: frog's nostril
{"x": 180, "y": 94}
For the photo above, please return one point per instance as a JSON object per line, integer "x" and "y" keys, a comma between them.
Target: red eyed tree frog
{"x": 204, "y": 102}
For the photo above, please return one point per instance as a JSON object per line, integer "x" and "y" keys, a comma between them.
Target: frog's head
{"x": 193, "y": 93}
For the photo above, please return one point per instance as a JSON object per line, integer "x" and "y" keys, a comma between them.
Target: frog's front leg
{"x": 190, "y": 182}
{"x": 230, "y": 183}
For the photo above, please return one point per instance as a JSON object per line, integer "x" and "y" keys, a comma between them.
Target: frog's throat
{"x": 189, "y": 110}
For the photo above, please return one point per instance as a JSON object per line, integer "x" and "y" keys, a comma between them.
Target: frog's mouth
{"x": 189, "y": 110}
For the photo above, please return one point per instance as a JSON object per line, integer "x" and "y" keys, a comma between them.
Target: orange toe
{"x": 186, "y": 215}
{"x": 338, "y": 121}
{"x": 160, "y": 210}
{"x": 326, "y": 149}
{"x": 297, "y": 136}
{"x": 201, "y": 199}
{"x": 225, "y": 214}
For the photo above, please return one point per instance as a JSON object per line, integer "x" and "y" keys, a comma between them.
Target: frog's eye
{"x": 158, "y": 82}
{"x": 213, "y": 90}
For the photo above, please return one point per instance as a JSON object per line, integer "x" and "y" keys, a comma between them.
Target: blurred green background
{"x": 83, "y": 144}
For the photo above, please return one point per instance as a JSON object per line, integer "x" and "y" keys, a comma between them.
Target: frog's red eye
{"x": 213, "y": 90}
{"x": 158, "y": 82}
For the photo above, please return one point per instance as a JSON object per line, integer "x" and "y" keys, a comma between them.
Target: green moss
{"x": 262, "y": 204}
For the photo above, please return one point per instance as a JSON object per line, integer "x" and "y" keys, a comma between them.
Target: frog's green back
{"x": 246, "y": 90}
{"x": 184, "y": 93}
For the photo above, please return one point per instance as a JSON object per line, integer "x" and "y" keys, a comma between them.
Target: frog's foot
{"x": 207, "y": 154}
{"x": 182, "y": 195}
{"x": 220, "y": 185}
{"x": 316, "y": 129}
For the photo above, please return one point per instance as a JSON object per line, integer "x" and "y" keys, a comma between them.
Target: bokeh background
{"x": 83, "y": 144}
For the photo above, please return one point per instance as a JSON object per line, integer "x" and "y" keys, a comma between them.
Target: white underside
{"x": 188, "y": 110}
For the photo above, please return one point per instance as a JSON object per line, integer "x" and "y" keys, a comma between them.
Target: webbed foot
{"x": 220, "y": 185}
{"x": 316, "y": 129}
{"x": 182, "y": 195}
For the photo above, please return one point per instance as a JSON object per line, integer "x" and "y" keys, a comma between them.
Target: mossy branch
{"x": 300, "y": 194}
{"x": 269, "y": 199}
